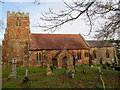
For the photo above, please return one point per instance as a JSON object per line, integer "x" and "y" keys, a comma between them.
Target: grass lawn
{"x": 39, "y": 79}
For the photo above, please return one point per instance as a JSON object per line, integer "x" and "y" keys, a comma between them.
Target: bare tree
{"x": 1, "y": 1}
{"x": 92, "y": 10}
{"x": 1, "y": 22}
{"x": 37, "y": 2}
{"x": 1, "y": 25}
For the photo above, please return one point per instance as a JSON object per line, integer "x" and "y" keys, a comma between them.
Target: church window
{"x": 40, "y": 56}
{"x": 37, "y": 58}
{"x": 86, "y": 54}
{"x": 79, "y": 55}
{"x": 94, "y": 54}
{"x": 107, "y": 54}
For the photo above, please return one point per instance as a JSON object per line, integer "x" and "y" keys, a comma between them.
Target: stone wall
{"x": 50, "y": 55}
{"x": 101, "y": 55}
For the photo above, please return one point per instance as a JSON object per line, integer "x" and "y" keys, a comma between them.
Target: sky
{"x": 35, "y": 10}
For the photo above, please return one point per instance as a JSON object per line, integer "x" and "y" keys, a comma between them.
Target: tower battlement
{"x": 17, "y": 14}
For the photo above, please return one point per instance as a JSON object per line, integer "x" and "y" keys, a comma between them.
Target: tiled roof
{"x": 57, "y": 41}
{"x": 97, "y": 43}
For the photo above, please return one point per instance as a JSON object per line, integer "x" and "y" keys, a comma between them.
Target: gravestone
{"x": 26, "y": 73}
{"x": 91, "y": 65}
{"x": 99, "y": 69}
{"x": 13, "y": 75}
{"x": 26, "y": 79}
{"x": 71, "y": 73}
{"x": 49, "y": 71}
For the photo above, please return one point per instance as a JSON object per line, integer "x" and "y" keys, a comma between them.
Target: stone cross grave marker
{"x": 14, "y": 73}
{"x": 26, "y": 73}
{"x": 49, "y": 71}
{"x": 26, "y": 79}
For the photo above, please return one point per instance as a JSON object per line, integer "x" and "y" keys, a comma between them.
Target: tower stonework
{"x": 16, "y": 38}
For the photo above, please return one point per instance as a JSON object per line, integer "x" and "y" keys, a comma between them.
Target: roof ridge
{"x": 84, "y": 40}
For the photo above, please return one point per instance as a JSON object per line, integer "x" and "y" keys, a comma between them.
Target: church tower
{"x": 16, "y": 38}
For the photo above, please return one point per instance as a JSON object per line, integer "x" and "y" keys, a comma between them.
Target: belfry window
{"x": 18, "y": 23}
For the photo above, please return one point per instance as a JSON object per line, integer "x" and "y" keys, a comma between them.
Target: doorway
{"x": 64, "y": 62}
{"x": 54, "y": 61}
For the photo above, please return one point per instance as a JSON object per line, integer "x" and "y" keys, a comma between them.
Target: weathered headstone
{"x": 71, "y": 73}
{"x": 13, "y": 75}
{"x": 99, "y": 69}
{"x": 26, "y": 79}
{"x": 49, "y": 71}
{"x": 26, "y": 73}
{"x": 91, "y": 65}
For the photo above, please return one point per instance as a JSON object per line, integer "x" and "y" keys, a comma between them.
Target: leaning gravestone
{"x": 13, "y": 75}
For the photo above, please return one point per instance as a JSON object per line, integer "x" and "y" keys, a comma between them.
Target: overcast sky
{"x": 34, "y": 10}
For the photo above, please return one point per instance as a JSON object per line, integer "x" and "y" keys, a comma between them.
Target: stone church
{"x": 59, "y": 50}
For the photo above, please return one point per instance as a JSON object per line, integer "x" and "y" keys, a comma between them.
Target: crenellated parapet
{"x": 17, "y": 14}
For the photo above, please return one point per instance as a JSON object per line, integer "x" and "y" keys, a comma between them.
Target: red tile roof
{"x": 57, "y": 41}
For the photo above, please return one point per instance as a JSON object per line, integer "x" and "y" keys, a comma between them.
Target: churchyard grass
{"x": 85, "y": 77}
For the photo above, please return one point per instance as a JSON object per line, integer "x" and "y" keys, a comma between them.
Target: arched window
{"x": 107, "y": 54}
{"x": 37, "y": 58}
{"x": 94, "y": 54}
